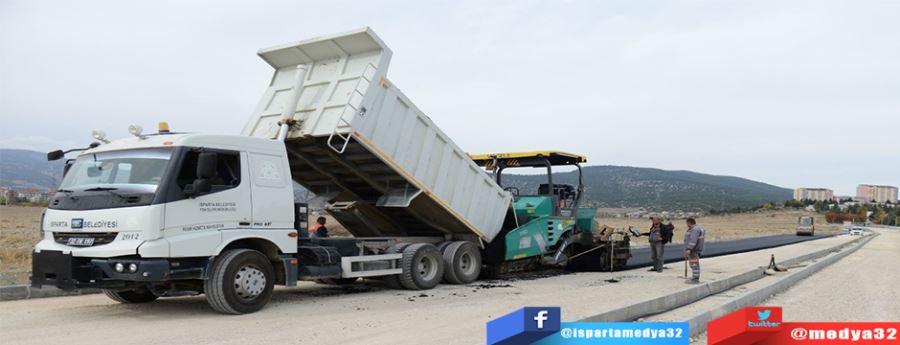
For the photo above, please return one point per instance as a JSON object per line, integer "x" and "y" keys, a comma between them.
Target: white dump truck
{"x": 173, "y": 214}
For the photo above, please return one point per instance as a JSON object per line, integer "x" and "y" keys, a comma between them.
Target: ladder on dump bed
{"x": 358, "y": 110}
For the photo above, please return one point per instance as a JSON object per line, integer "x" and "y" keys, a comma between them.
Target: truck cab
{"x": 806, "y": 226}
{"x": 145, "y": 217}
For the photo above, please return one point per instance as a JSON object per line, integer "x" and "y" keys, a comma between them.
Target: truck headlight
{"x": 132, "y": 268}
{"x": 119, "y": 267}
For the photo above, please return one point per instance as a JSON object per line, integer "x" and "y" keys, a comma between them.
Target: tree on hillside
{"x": 879, "y": 216}
{"x": 862, "y": 215}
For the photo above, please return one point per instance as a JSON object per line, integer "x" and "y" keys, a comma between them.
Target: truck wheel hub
{"x": 426, "y": 268}
{"x": 249, "y": 282}
{"x": 465, "y": 263}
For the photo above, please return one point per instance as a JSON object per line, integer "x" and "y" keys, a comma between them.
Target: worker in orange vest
{"x": 318, "y": 229}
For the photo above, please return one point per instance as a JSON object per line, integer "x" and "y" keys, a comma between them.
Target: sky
{"x": 792, "y": 93}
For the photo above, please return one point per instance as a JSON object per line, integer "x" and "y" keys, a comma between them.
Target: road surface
{"x": 358, "y": 314}
{"x": 864, "y": 286}
{"x": 859, "y": 288}
{"x": 640, "y": 257}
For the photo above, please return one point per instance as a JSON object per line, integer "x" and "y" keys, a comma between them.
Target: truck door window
{"x": 228, "y": 170}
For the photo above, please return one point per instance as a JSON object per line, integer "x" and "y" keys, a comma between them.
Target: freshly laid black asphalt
{"x": 640, "y": 257}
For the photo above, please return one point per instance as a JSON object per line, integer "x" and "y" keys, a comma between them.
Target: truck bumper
{"x": 66, "y": 272}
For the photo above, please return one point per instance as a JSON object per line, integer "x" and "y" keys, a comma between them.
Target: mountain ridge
{"x": 605, "y": 185}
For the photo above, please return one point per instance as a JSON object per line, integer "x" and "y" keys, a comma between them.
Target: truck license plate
{"x": 81, "y": 241}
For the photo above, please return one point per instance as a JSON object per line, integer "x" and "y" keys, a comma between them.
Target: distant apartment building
{"x": 817, "y": 194}
{"x": 880, "y": 194}
{"x": 34, "y": 195}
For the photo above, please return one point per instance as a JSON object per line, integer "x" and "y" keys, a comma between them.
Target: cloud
{"x": 790, "y": 93}
{"x": 38, "y": 143}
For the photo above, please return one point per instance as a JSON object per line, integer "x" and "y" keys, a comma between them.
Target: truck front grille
{"x": 100, "y": 238}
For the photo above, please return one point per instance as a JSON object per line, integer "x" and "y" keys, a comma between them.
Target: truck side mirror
{"x": 206, "y": 165}
{"x": 68, "y": 166}
{"x": 54, "y": 155}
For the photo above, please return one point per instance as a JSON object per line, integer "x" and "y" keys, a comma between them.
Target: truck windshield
{"x": 806, "y": 221}
{"x": 139, "y": 170}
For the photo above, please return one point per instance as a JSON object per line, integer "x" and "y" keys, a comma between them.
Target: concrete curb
{"x": 693, "y": 294}
{"x": 699, "y": 321}
{"x": 821, "y": 253}
{"x": 16, "y": 292}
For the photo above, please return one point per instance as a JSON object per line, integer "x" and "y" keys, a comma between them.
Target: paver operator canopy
{"x": 497, "y": 162}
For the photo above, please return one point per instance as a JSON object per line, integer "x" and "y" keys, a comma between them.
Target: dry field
{"x": 19, "y": 233}
{"x": 729, "y": 227}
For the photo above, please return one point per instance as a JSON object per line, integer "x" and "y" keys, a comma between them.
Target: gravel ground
{"x": 864, "y": 286}
{"x": 861, "y": 287}
{"x": 361, "y": 313}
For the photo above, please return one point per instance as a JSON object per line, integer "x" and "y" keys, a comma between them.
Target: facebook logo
{"x": 540, "y": 318}
{"x": 523, "y": 326}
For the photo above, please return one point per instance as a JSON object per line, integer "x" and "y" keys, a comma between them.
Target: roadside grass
{"x": 18, "y": 234}
{"x": 730, "y": 227}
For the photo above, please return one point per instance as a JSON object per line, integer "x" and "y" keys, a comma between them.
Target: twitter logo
{"x": 768, "y": 317}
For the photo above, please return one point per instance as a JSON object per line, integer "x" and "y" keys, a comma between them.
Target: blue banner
{"x": 523, "y": 326}
{"x": 625, "y": 333}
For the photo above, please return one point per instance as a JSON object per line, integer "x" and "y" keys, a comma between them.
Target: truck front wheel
{"x": 241, "y": 282}
{"x": 130, "y": 296}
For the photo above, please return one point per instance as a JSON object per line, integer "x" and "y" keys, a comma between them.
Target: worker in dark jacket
{"x": 318, "y": 230}
{"x": 657, "y": 245}
{"x": 693, "y": 247}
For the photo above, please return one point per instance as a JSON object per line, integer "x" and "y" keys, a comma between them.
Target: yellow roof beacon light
{"x": 164, "y": 127}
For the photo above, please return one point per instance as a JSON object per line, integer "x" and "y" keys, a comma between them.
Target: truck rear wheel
{"x": 241, "y": 282}
{"x": 462, "y": 262}
{"x": 393, "y": 281}
{"x": 130, "y": 296}
{"x": 422, "y": 266}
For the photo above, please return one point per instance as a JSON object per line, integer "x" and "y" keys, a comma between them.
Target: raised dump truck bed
{"x": 355, "y": 139}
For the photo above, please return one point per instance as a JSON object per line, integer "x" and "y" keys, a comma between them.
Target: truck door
{"x": 226, "y": 206}
{"x": 273, "y": 195}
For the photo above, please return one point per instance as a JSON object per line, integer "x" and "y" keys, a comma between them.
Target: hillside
{"x": 606, "y": 186}
{"x": 24, "y": 169}
{"x": 617, "y": 186}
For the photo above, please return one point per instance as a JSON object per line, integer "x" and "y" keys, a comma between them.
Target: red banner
{"x": 763, "y": 325}
{"x": 827, "y": 333}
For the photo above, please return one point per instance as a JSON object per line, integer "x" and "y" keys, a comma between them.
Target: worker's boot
{"x": 692, "y": 281}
